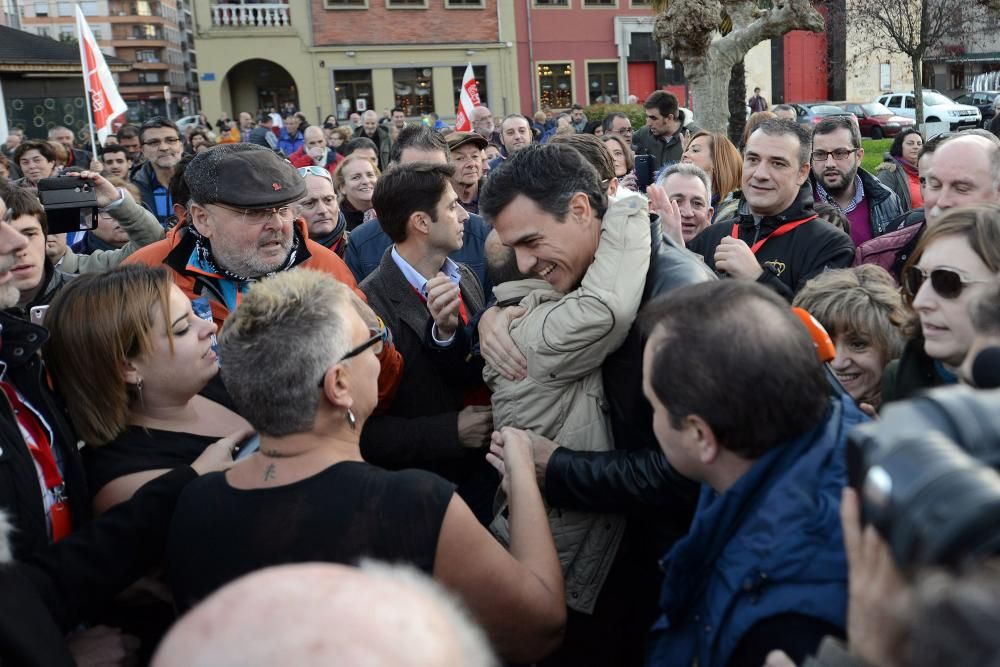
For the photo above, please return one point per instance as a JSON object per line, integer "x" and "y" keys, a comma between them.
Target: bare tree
{"x": 915, "y": 29}
{"x": 690, "y": 31}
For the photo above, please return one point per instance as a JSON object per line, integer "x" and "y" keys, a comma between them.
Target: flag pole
{"x": 86, "y": 83}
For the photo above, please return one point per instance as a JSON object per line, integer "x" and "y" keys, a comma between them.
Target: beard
{"x": 843, "y": 182}
{"x": 247, "y": 261}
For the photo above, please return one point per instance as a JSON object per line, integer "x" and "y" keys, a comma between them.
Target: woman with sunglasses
{"x": 135, "y": 366}
{"x": 956, "y": 259}
{"x": 307, "y": 494}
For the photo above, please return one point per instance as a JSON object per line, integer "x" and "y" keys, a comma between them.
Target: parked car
{"x": 810, "y": 113}
{"x": 937, "y": 109}
{"x": 982, "y": 100}
{"x": 182, "y": 123}
{"x": 876, "y": 120}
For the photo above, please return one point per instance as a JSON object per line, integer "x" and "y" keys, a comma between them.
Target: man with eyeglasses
{"x": 775, "y": 238}
{"x": 838, "y": 179}
{"x": 162, "y": 148}
{"x": 618, "y": 123}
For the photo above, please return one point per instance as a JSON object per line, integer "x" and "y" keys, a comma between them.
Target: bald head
{"x": 964, "y": 170}
{"x": 322, "y": 614}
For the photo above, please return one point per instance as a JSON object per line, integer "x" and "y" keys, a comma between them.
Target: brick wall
{"x": 380, "y": 26}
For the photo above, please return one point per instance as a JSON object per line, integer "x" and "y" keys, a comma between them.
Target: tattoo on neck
{"x": 270, "y": 472}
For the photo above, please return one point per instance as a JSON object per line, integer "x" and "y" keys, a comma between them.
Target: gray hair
{"x": 289, "y": 329}
{"x": 685, "y": 169}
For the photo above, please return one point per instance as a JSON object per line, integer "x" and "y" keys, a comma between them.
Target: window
{"x": 884, "y": 76}
{"x": 413, "y": 88}
{"x": 463, "y": 4}
{"x": 551, "y": 3}
{"x": 353, "y": 91}
{"x": 65, "y": 8}
{"x": 88, "y": 8}
{"x": 149, "y": 77}
{"x": 555, "y": 85}
{"x": 346, "y": 4}
{"x": 602, "y": 83}
{"x": 405, "y": 4}
{"x": 600, "y": 3}
{"x": 146, "y": 56}
{"x": 478, "y": 71}
{"x": 895, "y": 102}
{"x": 908, "y": 102}
{"x": 41, "y": 9}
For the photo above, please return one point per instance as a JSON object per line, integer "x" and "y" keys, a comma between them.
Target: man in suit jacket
{"x": 433, "y": 422}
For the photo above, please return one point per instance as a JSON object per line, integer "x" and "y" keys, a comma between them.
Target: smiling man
{"x": 162, "y": 148}
{"x": 515, "y": 133}
{"x": 777, "y": 239}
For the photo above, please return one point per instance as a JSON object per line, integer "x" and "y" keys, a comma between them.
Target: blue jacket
{"x": 368, "y": 243}
{"x": 771, "y": 544}
{"x": 290, "y": 144}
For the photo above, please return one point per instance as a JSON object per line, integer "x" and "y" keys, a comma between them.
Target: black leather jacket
{"x": 635, "y": 476}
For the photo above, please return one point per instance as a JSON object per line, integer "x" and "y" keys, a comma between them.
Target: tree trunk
{"x": 737, "y": 102}
{"x": 709, "y": 80}
{"x": 918, "y": 93}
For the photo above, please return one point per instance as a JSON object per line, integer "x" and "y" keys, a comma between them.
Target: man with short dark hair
{"x": 763, "y": 566}
{"x": 785, "y": 111}
{"x": 577, "y": 118}
{"x": 364, "y": 147}
{"x": 548, "y": 204}
{"x": 398, "y": 118}
{"x": 162, "y": 148}
{"x": 775, "y": 238}
{"x": 445, "y": 429}
{"x": 371, "y": 130}
{"x": 662, "y": 135}
{"x": 758, "y": 102}
{"x": 417, "y": 143}
{"x": 116, "y": 161}
{"x": 263, "y": 134}
{"x": 618, "y": 123}
{"x": 838, "y": 179}
{"x": 128, "y": 136}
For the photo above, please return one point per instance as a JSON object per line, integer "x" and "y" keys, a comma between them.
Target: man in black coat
{"x": 547, "y": 203}
{"x": 434, "y": 421}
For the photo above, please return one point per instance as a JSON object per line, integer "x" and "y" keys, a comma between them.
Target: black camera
{"x": 926, "y": 476}
{"x": 644, "y": 171}
{"x": 70, "y": 203}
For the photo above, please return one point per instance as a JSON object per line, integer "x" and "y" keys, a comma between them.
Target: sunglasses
{"x": 376, "y": 342}
{"x": 947, "y": 283}
{"x": 313, "y": 170}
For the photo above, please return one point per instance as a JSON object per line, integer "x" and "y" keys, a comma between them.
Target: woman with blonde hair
{"x": 355, "y": 179}
{"x": 134, "y": 365}
{"x": 717, "y": 157}
{"x": 957, "y": 258}
{"x": 860, "y": 308}
{"x": 753, "y": 122}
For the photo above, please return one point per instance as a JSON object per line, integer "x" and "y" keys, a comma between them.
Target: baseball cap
{"x": 456, "y": 139}
{"x": 244, "y": 176}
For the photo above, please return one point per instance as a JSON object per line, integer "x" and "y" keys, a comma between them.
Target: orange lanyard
{"x": 780, "y": 231}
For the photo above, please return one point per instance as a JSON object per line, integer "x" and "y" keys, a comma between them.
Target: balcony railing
{"x": 258, "y": 15}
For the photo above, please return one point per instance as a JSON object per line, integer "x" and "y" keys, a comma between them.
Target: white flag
{"x": 105, "y": 101}
{"x": 468, "y": 100}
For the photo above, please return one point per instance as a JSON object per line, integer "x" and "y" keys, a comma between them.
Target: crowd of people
{"x": 577, "y": 415}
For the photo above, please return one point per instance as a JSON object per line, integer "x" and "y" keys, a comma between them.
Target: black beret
{"x": 243, "y": 176}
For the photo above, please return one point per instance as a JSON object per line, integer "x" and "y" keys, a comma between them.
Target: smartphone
{"x": 37, "y": 315}
{"x": 643, "y": 171}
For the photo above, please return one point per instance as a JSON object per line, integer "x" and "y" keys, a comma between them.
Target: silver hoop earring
{"x": 352, "y": 421}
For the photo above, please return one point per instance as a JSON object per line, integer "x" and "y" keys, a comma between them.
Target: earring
{"x": 138, "y": 388}
{"x": 352, "y": 421}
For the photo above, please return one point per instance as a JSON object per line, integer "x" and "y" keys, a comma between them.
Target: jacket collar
{"x": 20, "y": 340}
{"x": 182, "y": 241}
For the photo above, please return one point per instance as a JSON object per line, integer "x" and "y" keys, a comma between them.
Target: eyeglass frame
{"x": 272, "y": 210}
{"x": 622, "y": 131}
{"x": 156, "y": 143}
{"x": 926, "y": 276}
{"x": 378, "y": 336}
{"x": 828, "y": 154}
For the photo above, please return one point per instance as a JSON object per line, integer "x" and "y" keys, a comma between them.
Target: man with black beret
{"x": 243, "y": 225}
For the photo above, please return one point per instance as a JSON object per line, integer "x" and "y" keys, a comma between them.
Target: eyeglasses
{"x": 376, "y": 342}
{"x": 947, "y": 283}
{"x": 313, "y": 170}
{"x": 624, "y": 131}
{"x": 260, "y": 216}
{"x": 839, "y": 154}
{"x": 154, "y": 143}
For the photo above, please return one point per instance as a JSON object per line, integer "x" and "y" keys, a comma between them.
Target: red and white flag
{"x": 468, "y": 100}
{"x": 105, "y": 101}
